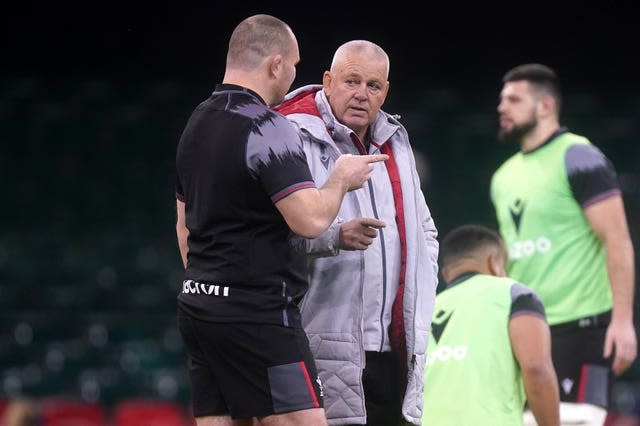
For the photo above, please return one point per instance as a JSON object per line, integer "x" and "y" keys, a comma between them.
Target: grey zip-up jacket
{"x": 332, "y": 310}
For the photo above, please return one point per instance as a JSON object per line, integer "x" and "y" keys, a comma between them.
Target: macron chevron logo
{"x": 439, "y": 322}
{"x": 567, "y": 385}
{"x": 516, "y": 211}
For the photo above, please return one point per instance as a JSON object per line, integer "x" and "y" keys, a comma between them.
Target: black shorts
{"x": 584, "y": 375}
{"x": 249, "y": 370}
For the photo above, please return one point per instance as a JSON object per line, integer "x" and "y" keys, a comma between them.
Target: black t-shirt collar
{"x": 561, "y": 130}
{"x": 460, "y": 278}
{"x": 223, "y": 87}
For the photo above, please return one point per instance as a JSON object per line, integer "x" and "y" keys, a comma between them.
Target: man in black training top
{"x": 245, "y": 197}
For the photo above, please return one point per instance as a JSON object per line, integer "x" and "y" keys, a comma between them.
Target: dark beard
{"x": 517, "y": 133}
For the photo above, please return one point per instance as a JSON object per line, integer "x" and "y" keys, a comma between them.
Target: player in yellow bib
{"x": 561, "y": 214}
{"x": 489, "y": 349}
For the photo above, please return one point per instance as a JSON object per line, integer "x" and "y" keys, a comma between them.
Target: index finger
{"x": 374, "y": 158}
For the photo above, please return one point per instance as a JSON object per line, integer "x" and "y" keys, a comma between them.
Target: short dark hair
{"x": 464, "y": 241}
{"x": 542, "y": 76}
{"x": 257, "y": 37}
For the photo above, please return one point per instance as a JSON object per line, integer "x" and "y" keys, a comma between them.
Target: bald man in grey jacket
{"x": 373, "y": 274}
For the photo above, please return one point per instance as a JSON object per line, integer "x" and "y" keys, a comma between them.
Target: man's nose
{"x": 361, "y": 92}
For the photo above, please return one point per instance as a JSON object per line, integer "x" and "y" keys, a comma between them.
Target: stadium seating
{"x": 89, "y": 265}
{"x": 149, "y": 413}
{"x": 63, "y": 412}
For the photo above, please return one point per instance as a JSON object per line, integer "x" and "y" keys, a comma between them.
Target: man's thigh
{"x": 311, "y": 417}
{"x": 584, "y": 375}
{"x": 249, "y": 370}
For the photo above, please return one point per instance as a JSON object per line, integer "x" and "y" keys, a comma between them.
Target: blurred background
{"x": 93, "y": 99}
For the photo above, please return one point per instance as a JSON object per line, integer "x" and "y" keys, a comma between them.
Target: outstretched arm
{"x": 310, "y": 211}
{"x": 608, "y": 221}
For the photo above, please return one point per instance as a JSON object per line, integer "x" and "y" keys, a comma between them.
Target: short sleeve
{"x": 179, "y": 190}
{"x": 591, "y": 175}
{"x": 276, "y": 158}
{"x": 524, "y": 301}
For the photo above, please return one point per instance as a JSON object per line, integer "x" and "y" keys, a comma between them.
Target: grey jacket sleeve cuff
{"x": 327, "y": 244}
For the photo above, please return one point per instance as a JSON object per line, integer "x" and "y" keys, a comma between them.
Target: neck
{"x": 538, "y": 136}
{"x": 452, "y": 272}
{"x": 248, "y": 80}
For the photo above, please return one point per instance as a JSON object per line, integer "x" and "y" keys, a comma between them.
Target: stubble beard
{"x": 517, "y": 133}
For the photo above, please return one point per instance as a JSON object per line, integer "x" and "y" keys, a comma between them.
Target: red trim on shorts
{"x": 583, "y": 383}
{"x": 312, "y": 391}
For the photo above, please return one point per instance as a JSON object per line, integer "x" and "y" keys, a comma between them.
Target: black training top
{"x": 236, "y": 158}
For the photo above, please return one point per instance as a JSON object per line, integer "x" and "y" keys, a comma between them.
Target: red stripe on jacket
{"x": 396, "y": 329}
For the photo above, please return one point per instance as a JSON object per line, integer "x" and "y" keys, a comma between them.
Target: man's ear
{"x": 547, "y": 105}
{"x": 495, "y": 265}
{"x": 446, "y": 273}
{"x": 326, "y": 81}
{"x": 275, "y": 63}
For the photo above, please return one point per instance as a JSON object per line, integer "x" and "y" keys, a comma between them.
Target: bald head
{"x": 360, "y": 48}
{"x": 256, "y": 38}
